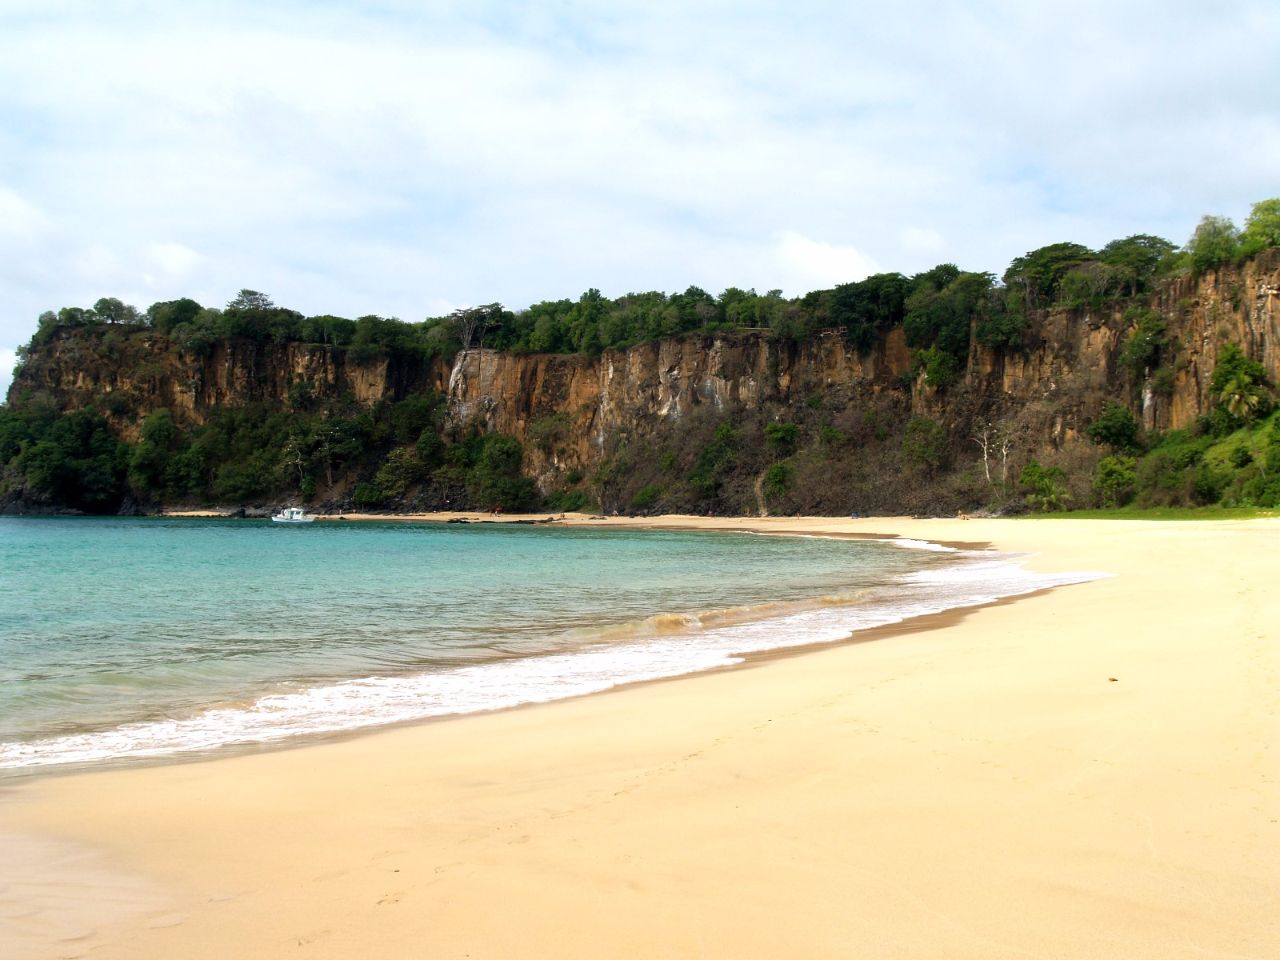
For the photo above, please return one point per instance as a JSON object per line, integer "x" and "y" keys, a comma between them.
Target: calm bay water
{"x": 123, "y": 638}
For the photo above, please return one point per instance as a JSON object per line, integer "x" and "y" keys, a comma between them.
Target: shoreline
{"x": 734, "y": 657}
{"x": 847, "y": 795}
{"x": 15, "y": 778}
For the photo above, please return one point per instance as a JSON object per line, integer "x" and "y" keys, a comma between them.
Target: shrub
{"x": 1238, "y": 386}
{"x": 1147, "y": 342}
{"x": 777, "y": 481}
{"x": 781, "y": 437}
{"x": 1045, "y": 486}
{"x": 1117, "y": 428}
{"x": 429, "y": 448}
{"x": 646, "y": 497}
{"x": 1208, "y": 483}
{"x": 568, "y": 501}
{"x": 1115, "y": 480}
{"x": 546, "y": 433}
{"x": 940, "y": 368}
{"x": 368, "y": 495}
{"x": 715, "y": 460}
{"x": 73, "y": 459}
{"x": 246, "y": 479}
{"x": 495, "y": 479}
{"x": 1160, "y": 480}
{"x": 413, "y": 415}
{"x": 401, "y": 469}
{"x": 924, "y": 443}
{"x": 830, "y": 436}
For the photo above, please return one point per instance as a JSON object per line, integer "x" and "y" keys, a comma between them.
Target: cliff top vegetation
{"x": 934, "y": 308}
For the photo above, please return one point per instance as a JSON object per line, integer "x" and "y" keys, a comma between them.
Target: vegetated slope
{"x": 942, "y": 392}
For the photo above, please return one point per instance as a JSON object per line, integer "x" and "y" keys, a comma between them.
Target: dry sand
{"x": 1089, "y": 772}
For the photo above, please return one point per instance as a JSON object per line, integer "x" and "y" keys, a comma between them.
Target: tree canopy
{"x": 940, "y": 310}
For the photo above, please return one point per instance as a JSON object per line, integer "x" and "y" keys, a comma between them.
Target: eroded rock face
{"x": 651, "y": 387}
{"x": 1064, "y": 376}
{"x": 135, "y": 375}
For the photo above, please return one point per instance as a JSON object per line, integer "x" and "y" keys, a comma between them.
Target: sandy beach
{"x": 1089, "y": 771}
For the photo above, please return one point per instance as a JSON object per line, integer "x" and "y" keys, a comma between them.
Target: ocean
{"x": 132, "y": 639}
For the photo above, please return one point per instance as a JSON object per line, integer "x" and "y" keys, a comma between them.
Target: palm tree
{"x": 1240, "y": 396}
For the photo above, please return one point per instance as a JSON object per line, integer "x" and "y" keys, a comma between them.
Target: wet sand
{"x": 1089, "y": 771}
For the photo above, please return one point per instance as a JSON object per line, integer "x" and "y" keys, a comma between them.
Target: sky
{"x": 408, "y": 158}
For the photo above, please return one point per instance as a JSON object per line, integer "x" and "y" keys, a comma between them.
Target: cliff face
{"x": 575, "y": 412}
{"x": 1229, "y": 306}
{"x": 597, "y": 402}
{"x": 135, "y": 375}
{"x": 1049, "y": 391}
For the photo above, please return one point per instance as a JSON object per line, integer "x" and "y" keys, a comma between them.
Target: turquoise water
{"x": 124, "y": 638}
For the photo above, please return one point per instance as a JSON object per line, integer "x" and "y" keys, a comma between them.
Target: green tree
{"x": 1240, "y": 397}
{"x": 1037, "y": 274}
{"x": 1261, "y": 227}
{"x": 22, "y": 426}
{"x": 148, "y": 462}
{"x": 1114, "y": 480}
{"x": 924, "y": 444}
{"x": 111, "y": 310}
{"x": 781, "y": 437}
{"x": 1215, "y": 241}
{"x": 495, "y": 480}
{"x": 1002, "y": 319}
{"x": 939, "y": 312}
{"x": 167, "y": 314}
{"x": 1137, "y": 259}
{"x": 1117, "y": 428}
{"x": 250, "y": 300}
{"x": 1148, "y": 343}
{"x": 714, "y": 461}
{"x": 940, "y": 368}
{"x": 777, "y": 481}
{"x": 646, "y": 497}
{"x": 77, "y": 462}
{"x": 1045, "y": 486}
{"x": 868, "y": 308}
{"x": 1238, "y": 385}
{"x": 414, "y": 414}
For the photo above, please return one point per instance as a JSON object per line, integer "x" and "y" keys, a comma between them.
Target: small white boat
{"x": 292, "y": 515}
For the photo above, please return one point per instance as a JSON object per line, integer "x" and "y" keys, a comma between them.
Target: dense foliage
{"x": 1230, "y": 456}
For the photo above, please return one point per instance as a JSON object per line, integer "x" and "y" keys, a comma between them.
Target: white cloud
{"x": 399, "y": 157}
{"x": 20, "y": 221}
{"x": 8, "y": 360}
{"x": 809, "y": 264}
{"x": 921, "y": 240}
{"x": 170, "y": 262}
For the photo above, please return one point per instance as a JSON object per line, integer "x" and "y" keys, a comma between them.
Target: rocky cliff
{"x": 1049, "y": 390}
{"x": 580, "y": 413}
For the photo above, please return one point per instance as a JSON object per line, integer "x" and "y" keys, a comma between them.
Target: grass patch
{"x": 1159, "y": 513}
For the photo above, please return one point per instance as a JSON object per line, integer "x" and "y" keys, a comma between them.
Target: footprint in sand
{"x": 168, "y": 920}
